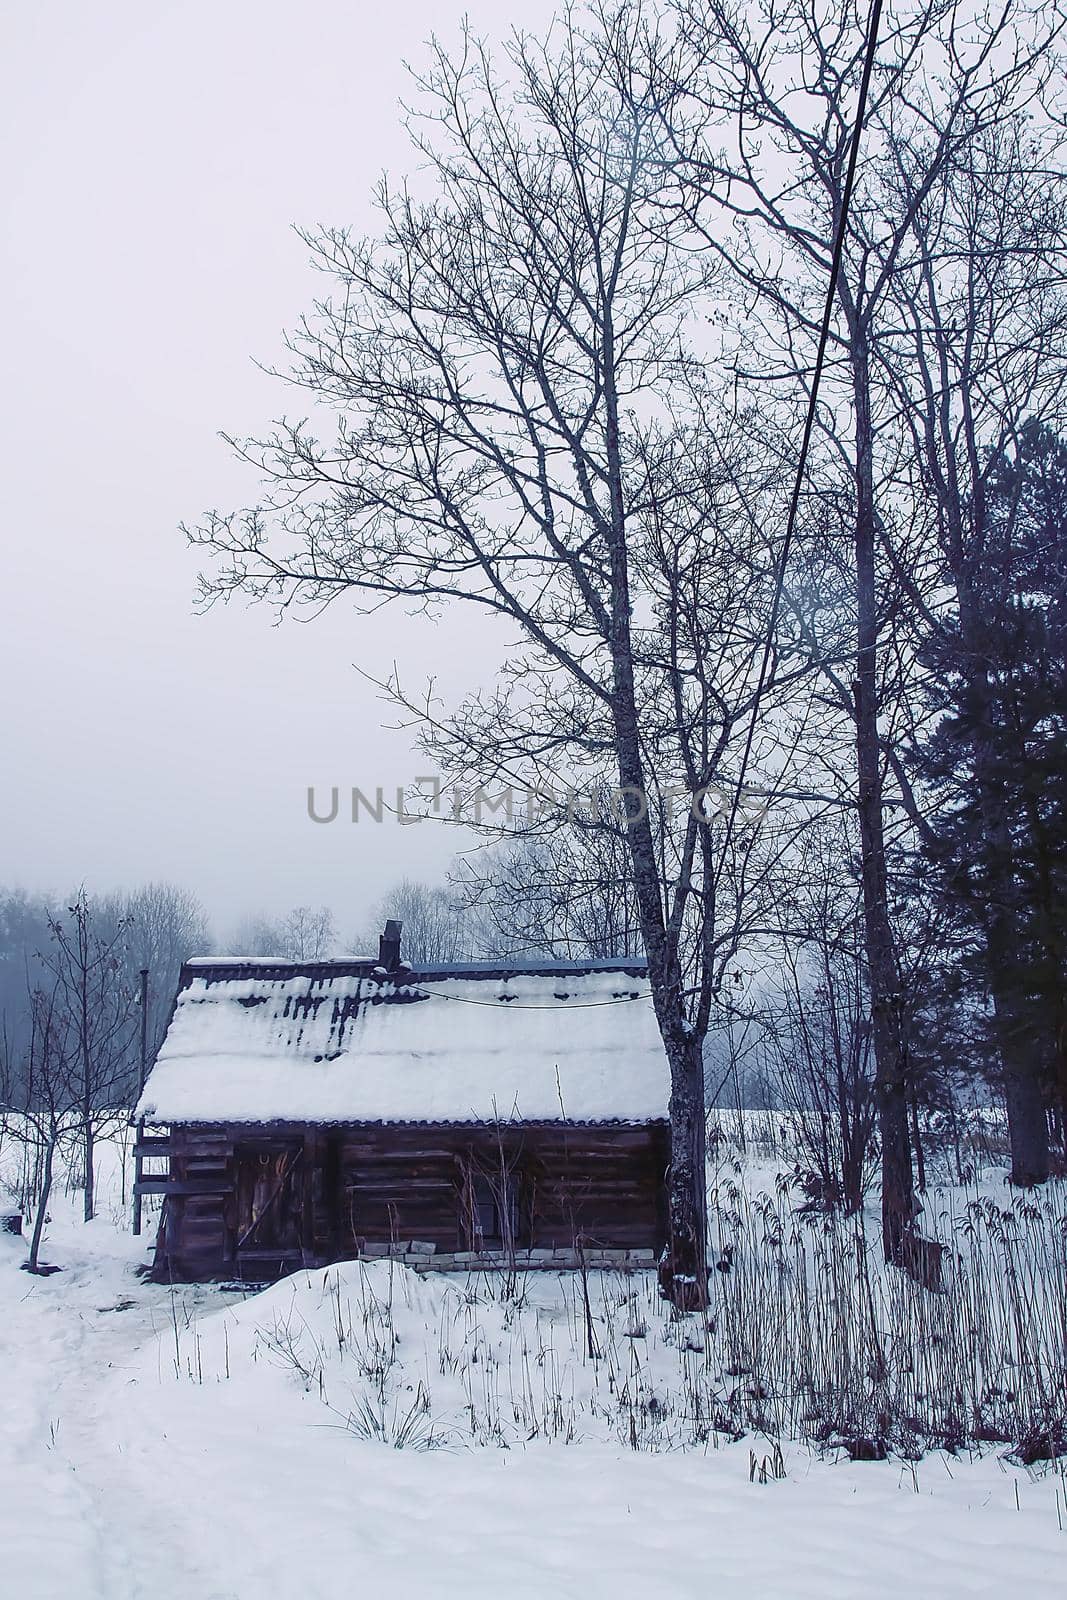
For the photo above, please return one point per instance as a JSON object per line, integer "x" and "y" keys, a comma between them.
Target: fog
{"x": 157, "y": 158}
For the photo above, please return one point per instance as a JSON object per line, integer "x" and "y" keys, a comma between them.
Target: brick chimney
{"x": 389, "y": 946}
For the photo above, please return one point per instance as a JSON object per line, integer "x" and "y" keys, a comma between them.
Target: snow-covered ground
{"x": 165, "y": 1444}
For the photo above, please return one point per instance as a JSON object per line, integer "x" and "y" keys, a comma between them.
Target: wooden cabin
{"x": 458, "y": 1116}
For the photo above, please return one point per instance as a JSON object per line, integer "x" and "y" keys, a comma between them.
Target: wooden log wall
{"x": 198, "y": 1201}
{"x": 255, "y": 1202}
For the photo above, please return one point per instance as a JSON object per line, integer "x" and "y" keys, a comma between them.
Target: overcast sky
{"x": 156, "y": 156}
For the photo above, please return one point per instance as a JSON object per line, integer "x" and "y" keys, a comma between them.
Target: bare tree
{"x": 567, "y": 894}
{"x": 42, "y": 1112}
{"x": 306, "y": 933}
{"x": 436, "y": 927}
{"x": 782, "y": 82}
{"x": 816, "y": 1020}
{"x": 162, "y": 925}
{"x": 94, "y": 1002}
{"x": 309, "y": 933}
{"x": 259, "y": 935}
{"x": 525, "y": 427}
{"x": 23, "y": 934}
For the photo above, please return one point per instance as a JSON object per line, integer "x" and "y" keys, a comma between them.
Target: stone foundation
{"x": 426, "y": 1258}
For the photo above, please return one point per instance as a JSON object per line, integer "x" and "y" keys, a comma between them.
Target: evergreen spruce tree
{"x": 999, "y": 753}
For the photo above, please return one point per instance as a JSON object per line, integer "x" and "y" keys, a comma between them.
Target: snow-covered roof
{"x": 336, "y": 1042}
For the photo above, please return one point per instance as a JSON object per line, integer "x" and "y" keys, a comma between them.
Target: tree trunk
{"x": 917, "y": 1141}
{"x": 684, "y": 1275}
{"x": 687, "y": 1264}
{"x": 1018, "y": 1048}
{"x": 1018, "y": 1043}
{"x": 890, "y": 1056}
{"x": 42, "y": 1206}
{"x": 89, "y": 1148}
{"x": 1027, "y": 1129}
{"x": 851, "y": 1162}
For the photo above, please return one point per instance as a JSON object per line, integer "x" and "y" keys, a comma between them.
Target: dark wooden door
{"x": 269, "y": 1203}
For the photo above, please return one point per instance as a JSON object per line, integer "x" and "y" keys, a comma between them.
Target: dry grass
{"x": 828, "y": 1344}
{"x": 809, "y": 1337}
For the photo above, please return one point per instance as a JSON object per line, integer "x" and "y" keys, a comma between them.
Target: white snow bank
{"x": 256, "y": 1428}
{"x": 147, "y": 1455}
